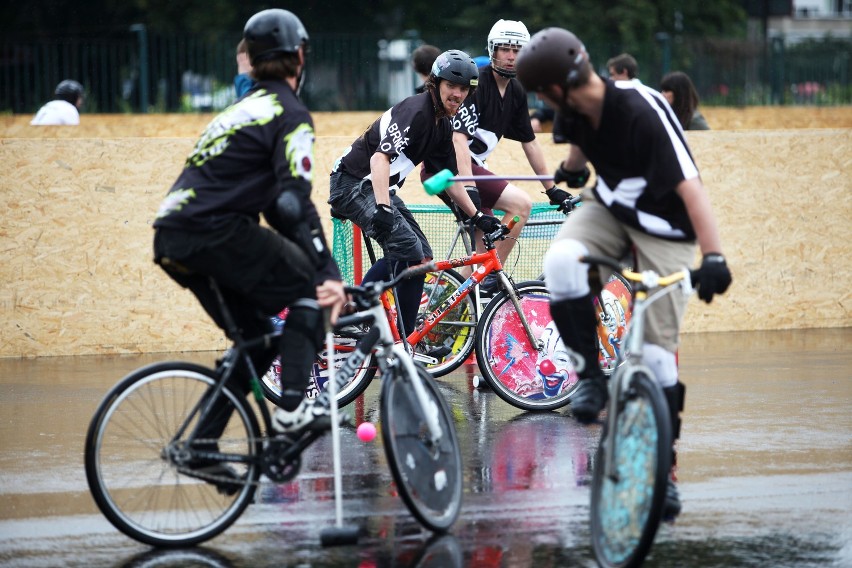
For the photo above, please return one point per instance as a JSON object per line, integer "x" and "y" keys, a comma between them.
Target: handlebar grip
{"x": 512, "y": 222}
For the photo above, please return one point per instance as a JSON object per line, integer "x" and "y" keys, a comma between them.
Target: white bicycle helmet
{"x": 506, "y": 33}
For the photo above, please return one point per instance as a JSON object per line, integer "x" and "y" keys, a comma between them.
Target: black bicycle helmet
{"x": 271, "y": 32}
{"x": 69, "y": 90}
{"x": 456, "y": 66}
{"x": 553, "y": 56}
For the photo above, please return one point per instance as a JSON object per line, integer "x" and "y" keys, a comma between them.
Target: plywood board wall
{"x": 76, "y": 238}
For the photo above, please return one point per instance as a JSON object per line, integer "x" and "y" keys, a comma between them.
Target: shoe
{"x": 311, "y": 414}
{"x": 214, "y": 473}
{"x": 671, "y": 507}
{"x": 589, "y": 399}
{"x": 352, "y": 331}
{"x": 489, "y": 286}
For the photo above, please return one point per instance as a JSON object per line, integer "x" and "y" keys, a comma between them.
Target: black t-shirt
{"x": 486, "y": 117}
{"x": 247, "y": 155}
{"x": 640, "y": 156}
{"x": 409, "y": 133}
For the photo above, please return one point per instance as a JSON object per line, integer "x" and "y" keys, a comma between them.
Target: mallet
{"x": 444, "y": 179}
{"x": 339, "y": 534}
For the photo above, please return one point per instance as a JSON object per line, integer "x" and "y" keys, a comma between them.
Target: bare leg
{"x": 515, "y": 202}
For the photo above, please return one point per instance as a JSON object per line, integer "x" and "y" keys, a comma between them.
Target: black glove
{"x": 561, "y": 198}
{"x": 382, "y": 222}
{"x": 572, "y": 179}
{"x": 713, "y": 277}
{"x": 486, "y": 223}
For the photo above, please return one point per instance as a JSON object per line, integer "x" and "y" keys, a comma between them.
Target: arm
{"x": 700, "y": 212}
{"x": 536, "y": 159}
{"x": 457, "y": 192}
{"x": 380, "y": 176}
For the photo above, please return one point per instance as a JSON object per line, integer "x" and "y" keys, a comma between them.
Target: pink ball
{"x": 366, "y": 431}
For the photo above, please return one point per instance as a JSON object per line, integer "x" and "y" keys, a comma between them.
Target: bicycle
{"x": 633, "y": 459}
{"x": 158, "y": 480}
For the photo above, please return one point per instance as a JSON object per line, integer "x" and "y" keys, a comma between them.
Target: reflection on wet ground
{"x": 765, "y": 472}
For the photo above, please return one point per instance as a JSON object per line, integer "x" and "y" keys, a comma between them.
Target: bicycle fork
{"x": 516, "y": 302}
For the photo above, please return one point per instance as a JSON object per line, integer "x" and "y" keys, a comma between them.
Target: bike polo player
{"x": 496, "y": 110}
{"x": 648, "y": 196}
{"x": 366, "y": 179}
{"x": 256, "y": 157}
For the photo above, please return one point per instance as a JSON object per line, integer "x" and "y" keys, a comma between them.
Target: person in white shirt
{"x": 64, "y": 108}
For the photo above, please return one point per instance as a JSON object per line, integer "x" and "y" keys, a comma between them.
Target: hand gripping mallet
{"x": 444, "y": 179}
{"x": 338, "y": 534}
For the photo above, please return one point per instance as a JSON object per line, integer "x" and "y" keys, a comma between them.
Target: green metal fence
{"x": 138, "y": 71}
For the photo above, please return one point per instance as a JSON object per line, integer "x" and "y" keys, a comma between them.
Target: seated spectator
{"x": 678, "y": 89}
{"x": 64, "y": 109}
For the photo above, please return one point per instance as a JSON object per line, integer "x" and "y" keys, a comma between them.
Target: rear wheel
{"x": 627, "y": 508}
{"x": 344, "y": 345}
{"x": 136, "y": 465}
{"x": 428, "y": 473}
{"x": 451, "y": 341}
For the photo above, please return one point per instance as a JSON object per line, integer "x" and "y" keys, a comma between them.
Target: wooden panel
{"x": 76, "y": 238}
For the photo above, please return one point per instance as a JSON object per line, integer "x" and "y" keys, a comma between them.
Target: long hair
{"x": 276, "y": 69}
{"x": 685, "y": 96}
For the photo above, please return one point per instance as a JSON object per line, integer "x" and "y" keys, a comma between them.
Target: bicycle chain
{"x": 267, "y": 442}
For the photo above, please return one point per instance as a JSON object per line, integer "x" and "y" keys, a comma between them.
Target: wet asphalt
{"x": 765, "y": 472}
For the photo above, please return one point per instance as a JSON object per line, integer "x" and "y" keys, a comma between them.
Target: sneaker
{"x": 489, "y": 286}
{"x": 311, "y": 414}
{"x": 589, "y": 399}
{"x": 671, "y": 507}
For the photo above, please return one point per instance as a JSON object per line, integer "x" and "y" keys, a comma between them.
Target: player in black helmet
{"x": 648, "y": 195}
{"x": 64, "y": 109}
{"x": 366, "y": 179}
{"x": 256, "y": 158}
{"x": 496, "y": 110}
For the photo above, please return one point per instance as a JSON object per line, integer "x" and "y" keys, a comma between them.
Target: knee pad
{"x": 662, "y": 362}
{"x": 567, "y": 278}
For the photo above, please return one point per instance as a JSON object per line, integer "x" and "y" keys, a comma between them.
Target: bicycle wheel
{"x": 358, "y": 382}
{"x": 451, "y": 340}
{"x": 428, "y": 475}
{"x": 131, "y": 450}
{"x": 613, "y": 310}
{"x": 626, "y": 509}
{"x": 530, "y": 377}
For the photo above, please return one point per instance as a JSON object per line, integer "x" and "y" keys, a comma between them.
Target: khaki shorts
{"x": 593, "y": 225}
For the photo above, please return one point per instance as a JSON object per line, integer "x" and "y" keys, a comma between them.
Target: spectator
{"x": 623, "y": 67}
{"x": 243, "y": 82}
{"x": 422, "y": 60}
{"x": 678, "y": 89}
{"x": 64, "y": 108}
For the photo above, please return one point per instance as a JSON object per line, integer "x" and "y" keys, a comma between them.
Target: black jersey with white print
{"x": 640, "y": 156}
{"x": 247, "y": 155}
{"x": 486, "y": 117}
{"x": 409, "y": 133}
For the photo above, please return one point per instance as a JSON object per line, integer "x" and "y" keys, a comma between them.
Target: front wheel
{"x": 136, "y": 464}
{"x": 529, "y": 376}
{"x": 428, "y": 473}
{"x": 627, "y": 507}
